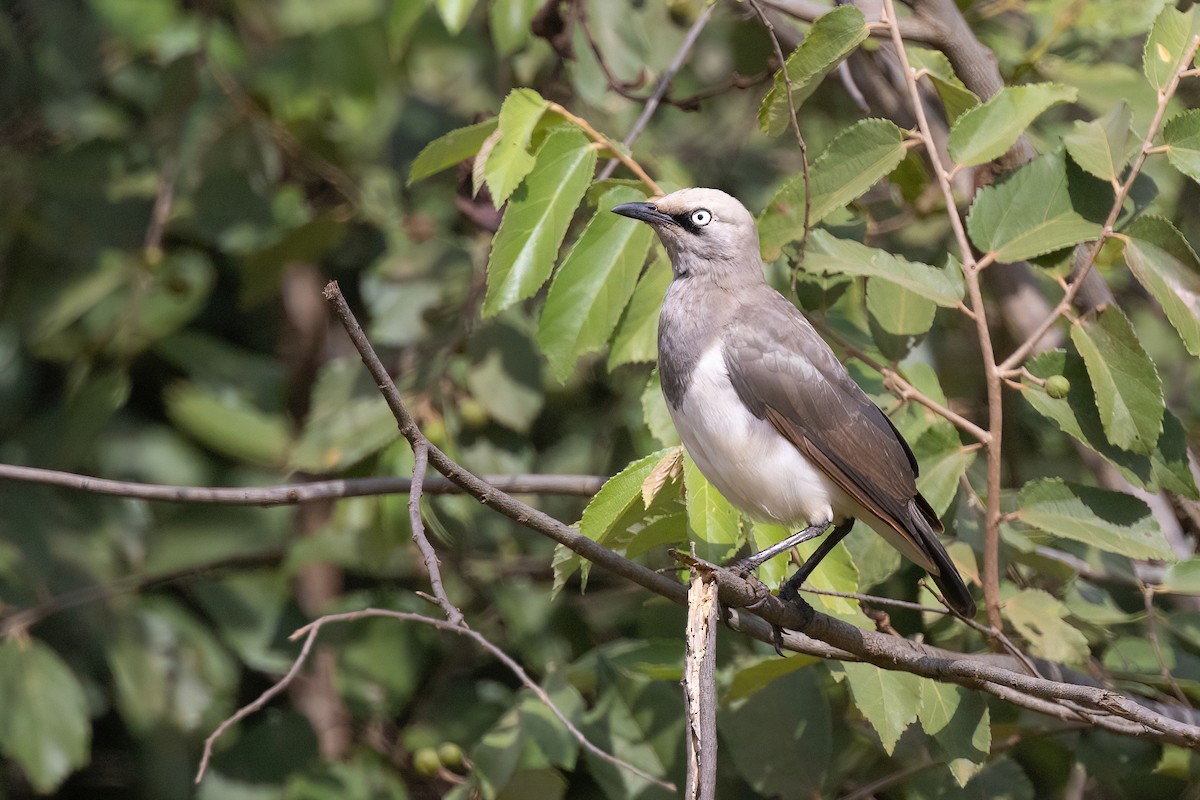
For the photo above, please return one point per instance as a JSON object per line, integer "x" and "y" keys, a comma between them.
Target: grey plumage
{"x": 762, "y": 404}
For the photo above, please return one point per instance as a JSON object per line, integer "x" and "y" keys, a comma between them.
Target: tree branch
{"x": 294, "y": 493}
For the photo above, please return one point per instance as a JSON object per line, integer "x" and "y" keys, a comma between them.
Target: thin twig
{"x": 795, "y": 126}
{"x": 995, "y": 389}
{"x": 504, "y": 658}
{"x": 608, "y": 144}
{"x": 428, "y": 554}
{"x": 257, "y": 704}
{"x": 1156, "y": 644}
{"x": 294, "y": 493}
{"x": 664, "y": 84}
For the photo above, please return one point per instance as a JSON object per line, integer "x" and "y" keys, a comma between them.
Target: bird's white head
{"x": 705, "y": 231}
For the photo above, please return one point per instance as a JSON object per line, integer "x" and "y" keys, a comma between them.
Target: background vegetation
{"x": 180, "y": 179}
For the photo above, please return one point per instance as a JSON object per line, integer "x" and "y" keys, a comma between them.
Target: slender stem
{"x": 664, "y": 83}
{"x": 608, "y": 144}
{"x": 795, "y": 126}
{"x": 293, "y": 493}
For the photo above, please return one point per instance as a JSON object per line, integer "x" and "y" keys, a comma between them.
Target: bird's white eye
{"x": 700, "y": 217}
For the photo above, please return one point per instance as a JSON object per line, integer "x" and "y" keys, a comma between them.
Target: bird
{"x": 764, "y": 407}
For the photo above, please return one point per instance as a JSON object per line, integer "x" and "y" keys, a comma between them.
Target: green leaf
{"x": 509, "y": 160}
{"x": 1167, "y": 43}
{"x": 1128, "y": 389}
{"x": 45, "y": 726}
{"x": 716, "y": 524}
{"x": 832, "y": 37}
{"x": 959, "y": 722}
{"x": 1181, "y": 135}
{"x": 1183, "y": 577}
{"x": 168, "y": 669}
{"x": 454, "y": 13}
{"x": 228, "y": 424}
{"x": 1165, "y": 264}
{"x": 987, "y": 131}
{"x": 636, "y": 339}
{"x": 656, "y": 414}
{"x": 764, "y": 743}
{"x": 525, "y": 247}
{"x": 956, "y": 97}
{"x": 1111, "y": 521}
{"x": 1103, "y": 146}
{"x": 856, "y": 160}
{"x": 889, "y": 700}
{"x": 593, "y": 285}
{"x": 450, "y": 149}
{"x": 344, "y": 425}
{"x": 618, "y": 498}
{"x": 1041, "y": 620}
{"x": 1076, "y": 414}
{"x": 899, "y": 317}
{"x": 941, "y": 473}
{"x": 750, "y": 680}
{"x": 828, "y": 254}
{"x": 1028, "y": 214}
{"x": 509, "y": 22}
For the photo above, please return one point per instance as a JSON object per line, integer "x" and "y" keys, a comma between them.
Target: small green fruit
{"x": 426, "y": 762}
{"x": 451, "y": 756}
{"x": 1057, "y": 386}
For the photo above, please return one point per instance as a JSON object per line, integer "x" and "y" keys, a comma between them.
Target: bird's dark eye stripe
{"x": 685, "y": 222}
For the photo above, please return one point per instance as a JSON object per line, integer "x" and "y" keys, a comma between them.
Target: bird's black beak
{"x": 646, "y": 212}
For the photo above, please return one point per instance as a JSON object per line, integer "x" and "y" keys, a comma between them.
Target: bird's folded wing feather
{"x": 786, "y": 374}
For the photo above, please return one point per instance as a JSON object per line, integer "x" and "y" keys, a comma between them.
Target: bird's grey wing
{"x": 786, "y": 374}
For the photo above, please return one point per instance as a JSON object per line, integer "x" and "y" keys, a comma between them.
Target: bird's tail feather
{"x": 947, "y": 579}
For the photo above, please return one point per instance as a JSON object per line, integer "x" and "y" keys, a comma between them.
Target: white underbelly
{"x": 756, "y": 469}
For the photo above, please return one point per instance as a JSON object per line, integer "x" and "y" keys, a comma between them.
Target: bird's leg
{"x": 790, "y": 591}
{"x": 756, "y": 560}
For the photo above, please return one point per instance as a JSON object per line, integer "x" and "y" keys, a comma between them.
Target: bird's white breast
{"x": 758, "y": 470}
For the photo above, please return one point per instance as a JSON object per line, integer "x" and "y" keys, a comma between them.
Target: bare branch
{"x": 699, "y": 687}
{"x": 294, "y": 493}
{"x": 664, "y": 83}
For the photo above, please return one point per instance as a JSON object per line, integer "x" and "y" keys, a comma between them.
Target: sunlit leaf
{"x": 525, "y": 247}
{"x": 1041, "y": 620}
{"x": 855, "y": 161}
{"x": 594, "y": 284}
{"x": 1103, "y": 146}
{"x": 828, "y": 254}
{"x": 636, "y": 338}
{"x": 987, "y": 131}
{"x": 1169, "y": 40}
{"x": 831, "y": 38}
{"x": 711, "y": 518}
{"x": 509, "y": 160}
{"x": 889, "y": 700}
{"x": 899, "y": 317}
{"x": 1028, "y": 214}
{"x": 1128, "y": 389}
{"x": 956, "y": 97}
{"x": 958, "y": 720}
{"x": 1165, "y": 264}
{"x": 1181, "y": 135}
{"x": 1112, "y": 521}
{"x": 455, "y": 13}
